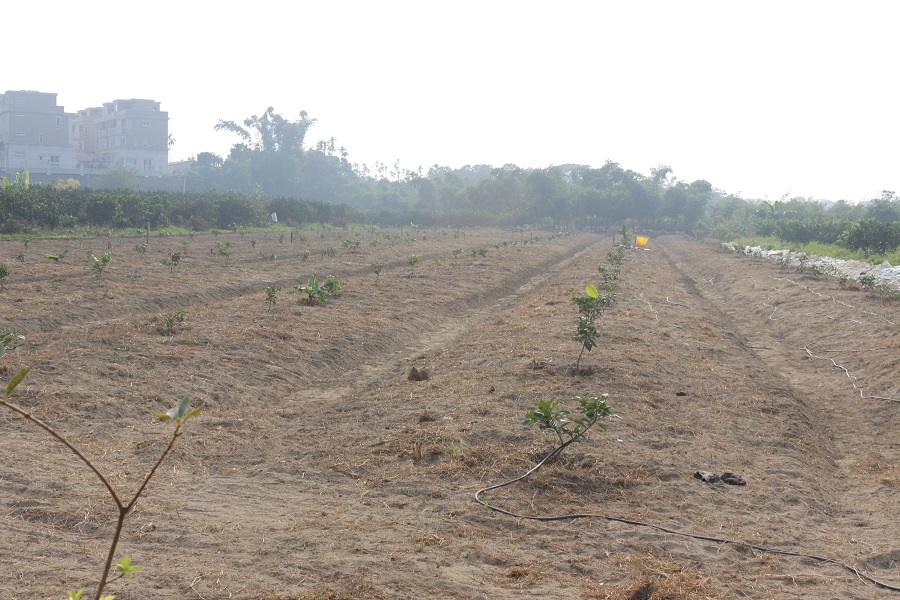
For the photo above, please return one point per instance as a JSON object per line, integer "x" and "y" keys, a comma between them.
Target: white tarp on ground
{"x": 853, "y": 269}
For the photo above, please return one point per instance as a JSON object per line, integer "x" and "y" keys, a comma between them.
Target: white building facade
{"x": 38, "y": 135}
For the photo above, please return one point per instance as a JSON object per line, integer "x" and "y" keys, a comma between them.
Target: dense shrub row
{"x": 872, "y": 236}
{"x": 44, "y": 205}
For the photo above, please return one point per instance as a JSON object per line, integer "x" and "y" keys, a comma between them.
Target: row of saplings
{"x": 547, "y": 414}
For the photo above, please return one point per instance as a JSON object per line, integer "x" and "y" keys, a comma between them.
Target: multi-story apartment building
{"x": 37, "y": 135}
{"x": 34, "y": 133}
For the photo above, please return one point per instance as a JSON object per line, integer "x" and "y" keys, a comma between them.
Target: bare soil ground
{"x": 320, "y": 469}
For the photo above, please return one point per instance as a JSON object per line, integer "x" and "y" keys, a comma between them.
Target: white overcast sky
{"x": 760, "y": 98}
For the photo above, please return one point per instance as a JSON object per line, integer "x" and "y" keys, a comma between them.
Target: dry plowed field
{"x": 319, "y": 468}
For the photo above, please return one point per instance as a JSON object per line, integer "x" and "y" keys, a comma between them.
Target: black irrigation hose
{"x": 558, "y": 449}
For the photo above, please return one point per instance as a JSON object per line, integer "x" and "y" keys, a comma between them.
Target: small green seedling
{"x": 867, "y": 281}
{"x": 271, "y": 299}
{"x": 590, "y": 308}
{"x": 332, "y": 285}
{"x": 4, "y": 273}
{"x": 224, "y": 250}
{"x": 172, "y": 261}
{"x": 124, "y": 568}
{"x": 7, "y": 341}
{"x": 567, "y": 426}
{"x": 97, "y": 264}
{"x": 376, "y": 268}
{"x": 314, "y": 291}
{"x": 169, "y": 323}
{"x": 141, "y": 248}
{"x": 623, "y": 232}
{"x": 412, "y": 260}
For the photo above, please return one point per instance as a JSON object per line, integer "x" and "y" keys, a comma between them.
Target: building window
{"x": 148, "y": 164}
{"x": 19, "y": 153}
{"x": 20, "y": 134}
{"x": 20, "y": 114}
{"x": 54, "y": 160}
{"x": 57, "y": 122}
{"x": 40, "y": 138}
{"x": 145, "y": 142}
{"x": 128, "y": 162}
{"x": 146, "y": 123}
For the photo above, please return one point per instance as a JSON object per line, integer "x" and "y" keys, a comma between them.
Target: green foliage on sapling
{"x": 332, "y": 285}
{"x": 568, "y": 426}
{"x": 124, "y": 568}
{"x": 271, "y": 298}
{"x": 172, "y": 261}
{"x": 590, "y": 308}
{"x": 168, "y": 323}
{"x": 224, "y": 250}
{"x": 412, "y": 260}
{"x": 97, "y": 264}
{"x": 376, "y": 268}
{"x": 313, "y": 289}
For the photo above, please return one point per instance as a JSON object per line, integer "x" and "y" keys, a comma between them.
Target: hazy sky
{"x": 759, "y": 98}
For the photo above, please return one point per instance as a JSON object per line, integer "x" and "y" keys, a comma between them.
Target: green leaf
{"x": 16, "y": 380}
{"x": 591, "y": 291}
{"x": 125, "y": 567}
{"x": 76, "y": 595}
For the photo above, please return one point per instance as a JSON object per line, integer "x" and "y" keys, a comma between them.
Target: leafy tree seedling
{"x": 170, "y": 322}
{"x": 412, "y": 260}
{"x": 224, "y": 250}
{"x": 97, "y": 264}
{"x": 4, "y": 273}
{"x": 590, "y": 308}
{"x": 124, "y": 568}
{"x": 567, "y": 426}
{"x": 271, "y": 299}
{"x": 172, "y": 261}
{"x": 314, "y": 291}
{"x": 332, "y": 285}
{"x": 376, "y": 268}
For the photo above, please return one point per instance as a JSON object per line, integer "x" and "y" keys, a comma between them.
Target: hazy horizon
{"x": 762, "y": 101}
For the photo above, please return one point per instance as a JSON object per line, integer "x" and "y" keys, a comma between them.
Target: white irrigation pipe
{"x": 812, "y": 354}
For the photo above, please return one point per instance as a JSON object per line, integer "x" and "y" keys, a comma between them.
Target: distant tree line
{"x": 872, "y": 227}
{"x": 270, "y": 169}
{"x": 26, "y": 205}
